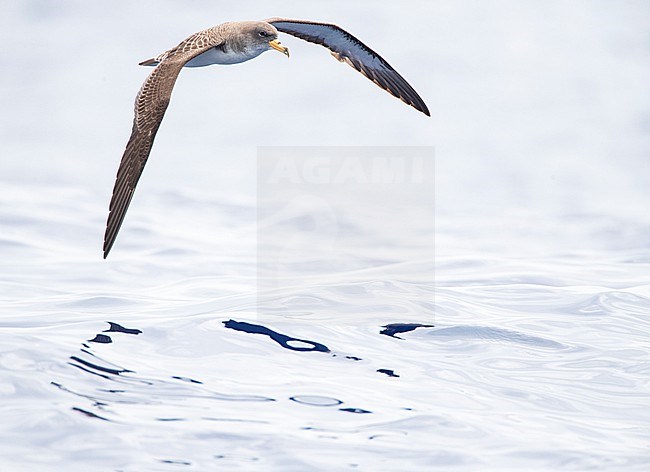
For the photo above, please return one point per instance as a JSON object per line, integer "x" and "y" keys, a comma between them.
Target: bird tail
{"x": 150, "y": 62}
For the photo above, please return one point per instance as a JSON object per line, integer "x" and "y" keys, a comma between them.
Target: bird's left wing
{"x": 347, "y": 48}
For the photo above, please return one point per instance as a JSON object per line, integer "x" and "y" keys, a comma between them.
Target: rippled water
{"x": 510, "y": 332}
{"x": 469, "y": 362}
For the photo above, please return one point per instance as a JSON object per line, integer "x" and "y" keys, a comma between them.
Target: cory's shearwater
{"x": 231, "y": 43}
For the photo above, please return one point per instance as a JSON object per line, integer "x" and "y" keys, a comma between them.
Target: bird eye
{"x": 263, "y": 34}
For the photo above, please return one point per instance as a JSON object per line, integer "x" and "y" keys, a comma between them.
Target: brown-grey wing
{"x": 347, "y": 48}
{"x": 150, "y": 106}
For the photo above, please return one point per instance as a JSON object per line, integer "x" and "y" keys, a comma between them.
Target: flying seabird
{"x": 232, "y": 43}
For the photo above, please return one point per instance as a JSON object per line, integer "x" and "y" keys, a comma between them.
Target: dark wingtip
{"x": 109, "y": 240}
{"x": 420, "y": 106}
{"x": 108, "y": 244}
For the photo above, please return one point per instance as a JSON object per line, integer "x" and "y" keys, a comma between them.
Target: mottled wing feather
{"x": 198, "y": 41}
{"x": 346, "y": 48}
{"x": 150, "y": 106}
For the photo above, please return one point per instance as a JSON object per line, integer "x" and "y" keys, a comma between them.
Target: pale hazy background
{"x": 537, "y": 108}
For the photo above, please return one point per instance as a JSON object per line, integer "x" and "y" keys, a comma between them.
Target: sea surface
{"x": 491, "y": 312}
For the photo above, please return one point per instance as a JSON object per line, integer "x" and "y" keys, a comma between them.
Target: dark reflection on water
{"x": 396, "y": 328}
{"x": 113, "y": 328}
{"x": 388, "y": 372}
{"x": 116, "y": 328}
{"x": 88, "y": 413}
{"x": 101, "y": 339}
{"x": 354, "y": 358}
{"x": 186, "y": 379}
{"x": 85, "y": 365}
{"x": 138, "y": 389}
{"x": 175, "y": 462}
{"x": 355, "y": 410}
{"x": 142, "y": 389}
{"x": 282, "y": 339}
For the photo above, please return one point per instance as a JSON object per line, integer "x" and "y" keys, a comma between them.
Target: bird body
{"x": 232, "y": 43}
{"x": 229, "y": 43}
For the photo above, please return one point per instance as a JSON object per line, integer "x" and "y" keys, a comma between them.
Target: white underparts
{"x": 218, "y": 56}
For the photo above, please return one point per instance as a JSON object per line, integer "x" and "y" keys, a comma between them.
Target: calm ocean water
{"x": 491, "y": 316}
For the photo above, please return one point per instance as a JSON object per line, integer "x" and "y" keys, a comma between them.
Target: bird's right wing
{"x": 150, "y": 106}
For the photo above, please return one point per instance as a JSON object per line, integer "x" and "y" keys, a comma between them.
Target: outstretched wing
{"x": 150, "y": 105}
{"x": 347, "y": 48}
